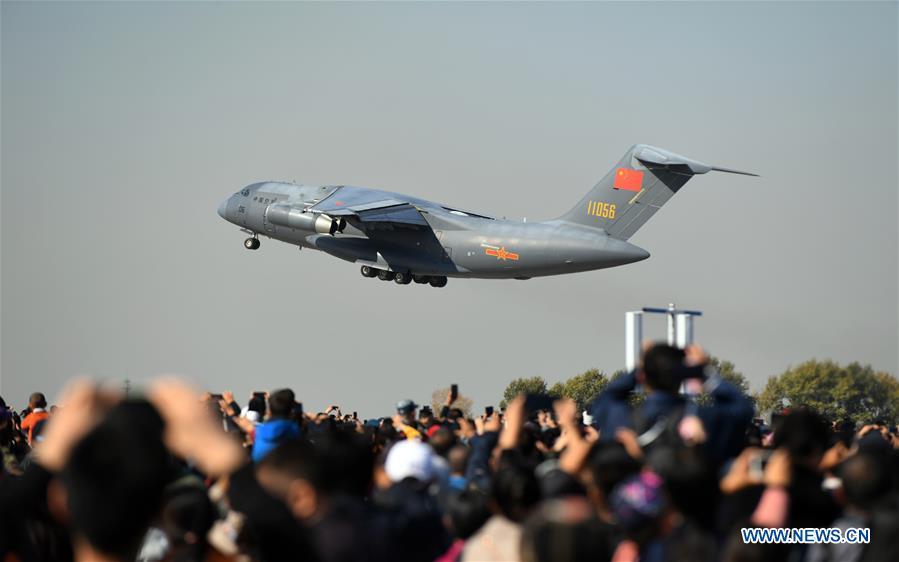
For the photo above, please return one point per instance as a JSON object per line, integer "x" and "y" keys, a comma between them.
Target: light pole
{"x": 680, "y": 330}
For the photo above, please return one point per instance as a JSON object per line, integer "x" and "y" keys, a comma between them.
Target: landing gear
{"x": 402, "y": 277}
{"x": 251, "y": 243}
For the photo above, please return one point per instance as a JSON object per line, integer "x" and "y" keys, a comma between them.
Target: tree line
{"x": 853, "y": 392}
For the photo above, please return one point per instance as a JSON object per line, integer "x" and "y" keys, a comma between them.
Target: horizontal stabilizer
{"x": 729, "y": 171}
{"x": 653, "y": 157}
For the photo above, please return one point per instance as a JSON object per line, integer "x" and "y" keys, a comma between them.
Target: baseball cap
{"x": 410, "y": 459}
{"x": 406, "y": 405}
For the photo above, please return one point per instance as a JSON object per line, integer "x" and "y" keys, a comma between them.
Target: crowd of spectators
{"x": 176, "y": 475}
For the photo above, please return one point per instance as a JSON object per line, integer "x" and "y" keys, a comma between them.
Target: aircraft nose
{"x": 223, "y": 209}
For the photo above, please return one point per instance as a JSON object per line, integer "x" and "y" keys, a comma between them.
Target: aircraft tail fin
{"x": 644, "y": 179}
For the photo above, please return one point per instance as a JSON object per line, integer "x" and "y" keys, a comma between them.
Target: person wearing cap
{"x": 405, "y": 420}
{"x": 427, "y": 421}
{"x": 414, "y": 515}
{"x": 407, "y": 408}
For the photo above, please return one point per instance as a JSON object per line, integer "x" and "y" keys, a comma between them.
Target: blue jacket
{"x": 478, "y": 468}
{"x": 271, "y": 434}
{"x": 725, "y": 420}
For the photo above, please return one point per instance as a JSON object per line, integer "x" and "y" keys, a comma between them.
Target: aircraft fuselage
{"x": 406, "y": 239}
{"x": 453, "y": 244}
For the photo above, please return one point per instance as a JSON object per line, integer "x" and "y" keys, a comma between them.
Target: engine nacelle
{"x": 291, "y": 217}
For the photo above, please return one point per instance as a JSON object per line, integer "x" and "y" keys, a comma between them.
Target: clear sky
{"x": 124, "y": 125}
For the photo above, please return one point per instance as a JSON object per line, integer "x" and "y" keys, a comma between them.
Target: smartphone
{"x": 216, "y": 396}
{"x": 258, "y": 394}
{"x": 488, "y": 411}
{"x": 355, "y": 417}
{"x": 298, "y": 410}
{"x": 454, "y": 392}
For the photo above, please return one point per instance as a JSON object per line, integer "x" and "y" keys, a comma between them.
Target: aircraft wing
{"x": 369, "y": 211}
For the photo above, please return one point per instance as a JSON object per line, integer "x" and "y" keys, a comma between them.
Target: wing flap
{"x": 400, "y": 214}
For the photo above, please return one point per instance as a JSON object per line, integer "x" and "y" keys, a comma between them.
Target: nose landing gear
{"x": 251, "y": 243}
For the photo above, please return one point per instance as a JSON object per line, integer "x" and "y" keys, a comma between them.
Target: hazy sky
{"x": 124, "y": 125}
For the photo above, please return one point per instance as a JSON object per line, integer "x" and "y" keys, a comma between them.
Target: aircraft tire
{"x": 385, "y": 275}
{"x": 438, "y": 281}
{"x": 368, "y": 271}
{"x": 251, "y": 243}
{"x": 402, "y": 278}
{"x": 421, "y": 279}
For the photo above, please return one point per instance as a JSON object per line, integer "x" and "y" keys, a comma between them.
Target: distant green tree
{"x": 728, "y": 372}
{"x": 852, "y": 391}
{"x": 524, "y": 385}
{"x": 581, "y": 388}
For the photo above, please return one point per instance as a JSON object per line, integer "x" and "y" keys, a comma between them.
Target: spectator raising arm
{"x": 611, "y": 410}
{"x": 577, "y": 448}
{"x": 190, "y": 432}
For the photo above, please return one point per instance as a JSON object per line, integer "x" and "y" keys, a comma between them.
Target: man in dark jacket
{"x": 664, "y": 368}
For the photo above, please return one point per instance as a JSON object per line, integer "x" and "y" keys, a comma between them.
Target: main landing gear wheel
{"x": 438, "y": 281}
{"x": 251, "y": 243}
{"x": 385, "y": 275}
{"x": 368, "y": 271}
{"x": 421, "y": 279}
{"x": 402, "y": 278}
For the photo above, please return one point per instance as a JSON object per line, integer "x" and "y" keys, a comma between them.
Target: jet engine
{"x": 291, "y": 217}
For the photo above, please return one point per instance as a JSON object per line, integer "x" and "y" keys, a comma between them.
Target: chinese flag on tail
{"x": 629, "y": 180}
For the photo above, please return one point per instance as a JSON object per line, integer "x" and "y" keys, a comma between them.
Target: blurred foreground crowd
{"x": 176, "y": 475}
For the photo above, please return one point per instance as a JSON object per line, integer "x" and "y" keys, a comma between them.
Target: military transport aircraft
{"x": 404, "y": 239}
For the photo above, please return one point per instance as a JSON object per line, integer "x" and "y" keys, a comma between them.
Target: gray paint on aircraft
{"x": 407, "y": 235}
